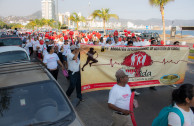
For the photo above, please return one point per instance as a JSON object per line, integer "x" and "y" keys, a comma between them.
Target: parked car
{"x": 30, "y": 96}
{"x": 11, "y": 41}
{"x": 12, "y": 54}
{"x": 149, "y": 35}
{"x": 8, "y": 36}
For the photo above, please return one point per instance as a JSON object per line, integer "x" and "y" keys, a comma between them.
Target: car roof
{"x": 22, "y": 73}
{"x": 11, "y": 48}
{"x": 11, "y": 38}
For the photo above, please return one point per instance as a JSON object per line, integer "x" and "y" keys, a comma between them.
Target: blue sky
{"x": 127, "y": 9}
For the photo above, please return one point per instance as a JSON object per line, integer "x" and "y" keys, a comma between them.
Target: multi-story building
{"x": 48, "y": 9}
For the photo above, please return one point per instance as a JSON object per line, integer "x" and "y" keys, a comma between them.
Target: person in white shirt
{"x": 74, "y": 72}
{"x": 117, "y": 43}
{"x": 51, "y": 60}
{"x": 108, "y": 43}
{"x": 30, "y": 41}
{"x": 119, "y": 100}
{"x": 101, "y": 41}
{"x": 65, "y": 49}
{"x": 44, "y": 48}
{"x": 36, "y": 46}
{"x": 26, "y": 47}
{"x": 183, "y": 97}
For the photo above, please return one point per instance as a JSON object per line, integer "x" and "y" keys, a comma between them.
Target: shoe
{"x": 137, "y": 93}
{"x": 153, "y": 88}
{"x": 81, "y": 100}
{"x": 173, "y": 85}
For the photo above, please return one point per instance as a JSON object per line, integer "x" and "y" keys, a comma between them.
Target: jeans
{"x": 75, "y": 81}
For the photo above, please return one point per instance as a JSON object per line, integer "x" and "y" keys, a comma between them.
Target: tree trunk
{"x": 104, "y": 26}
{"x": 163, "y": 22}
{"x": 77, "y": 24}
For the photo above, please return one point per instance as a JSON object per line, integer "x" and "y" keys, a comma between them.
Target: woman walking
{"x": 51, "y": 60}
{"x": 183, "y": 99}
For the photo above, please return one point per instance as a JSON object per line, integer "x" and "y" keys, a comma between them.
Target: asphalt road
{"x": 95, "y": 112}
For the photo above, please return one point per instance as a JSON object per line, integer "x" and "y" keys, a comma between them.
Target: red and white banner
{"x": 146, "y": 66}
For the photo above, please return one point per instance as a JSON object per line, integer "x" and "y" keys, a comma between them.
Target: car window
{"x": 10, "y": 41}
{"x": 32, "y": 104}
{"x": 13, "y": 56}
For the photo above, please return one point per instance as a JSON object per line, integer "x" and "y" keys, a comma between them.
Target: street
{"x": 95, "y": 112}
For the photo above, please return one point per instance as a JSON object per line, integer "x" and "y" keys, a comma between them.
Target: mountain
{"x": 36, "y": 15}
{"x": 154, "y": 21}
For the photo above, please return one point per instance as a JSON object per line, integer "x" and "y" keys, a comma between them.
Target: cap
{"x": 72, "y": 47}
{"x": 47, "y": 40}
{"x": 120, "y": 73}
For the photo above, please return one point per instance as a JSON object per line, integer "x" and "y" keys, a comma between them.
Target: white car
{"x": 12, "y": 54}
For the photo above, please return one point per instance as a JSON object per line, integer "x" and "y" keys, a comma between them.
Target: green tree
{"x": 104, "y": 15}
{"x": 76, "y": 18}
{"x": 50, "y": 22}
{"x": 161, "y": 4}
{"x": 14, "y": 25}
{"x": 31, "y": 24}
{"x": 3, "y": 25}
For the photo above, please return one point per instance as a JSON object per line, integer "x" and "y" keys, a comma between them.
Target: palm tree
{"x": 76, "y": 18}
{"x": 50, "y": 22}
{"x": 104, "y": 15}
{"x": 161, "y": 4}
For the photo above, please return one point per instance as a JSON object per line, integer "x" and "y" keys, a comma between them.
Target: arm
{"x": 113, "y": 107}
{"x": 174, "y": 119}
{"x": 59, "y": 62}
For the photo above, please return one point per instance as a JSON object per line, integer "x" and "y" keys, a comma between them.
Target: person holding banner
{"x": 73, "y": 62}
{"x": 119, "y": 100}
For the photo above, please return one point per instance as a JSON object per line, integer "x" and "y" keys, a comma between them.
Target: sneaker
{"x": 173, "y": 85}
{"x": 81, "y": 100}
{"x": 137, "y": 93}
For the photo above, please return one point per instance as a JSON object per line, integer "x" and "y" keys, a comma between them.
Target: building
{"x": 61, "y": 18}
{"x": 48, "y": 9}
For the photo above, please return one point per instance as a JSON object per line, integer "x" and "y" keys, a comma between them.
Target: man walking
{"x": 119, "y": 100}
{"x": 74, "y": 72}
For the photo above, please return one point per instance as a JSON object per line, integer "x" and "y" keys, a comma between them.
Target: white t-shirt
{"x": 73, "y": 65}
{"x": 174, "y": 119}
{"x": 30, "y": 43}
{"x": 51, "y": 60}
{"x": 35, "y": 44}
{"x": 59, "y": 44}
{"x": 44, "y": 49}
{"x": 66, "y": 49}
{"x": 40, "y": 49}
{"x": 26, "y": 47}
{"x": 108, "y": 45}
{"x": 120, "y": 96}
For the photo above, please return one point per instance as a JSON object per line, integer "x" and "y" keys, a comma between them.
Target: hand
{"x": 63, "y": 68}
{"x": 126, "y": 112}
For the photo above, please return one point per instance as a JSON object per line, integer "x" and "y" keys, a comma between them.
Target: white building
{"x": 48, "y": 9}
{"x": 61, "y": 18}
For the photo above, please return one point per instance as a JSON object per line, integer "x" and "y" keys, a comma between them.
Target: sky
{"x": 125, "y": 9}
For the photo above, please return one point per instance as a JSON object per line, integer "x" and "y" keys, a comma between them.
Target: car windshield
{"x": 10, "y": 41}
{"x": 13, "y": 56}
{"x": 34, "y": 104}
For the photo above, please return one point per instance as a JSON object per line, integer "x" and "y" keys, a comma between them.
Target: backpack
{"x": 162, "y": 118}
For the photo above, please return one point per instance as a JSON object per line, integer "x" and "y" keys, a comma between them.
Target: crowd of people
{"x": 64, "y": 49}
